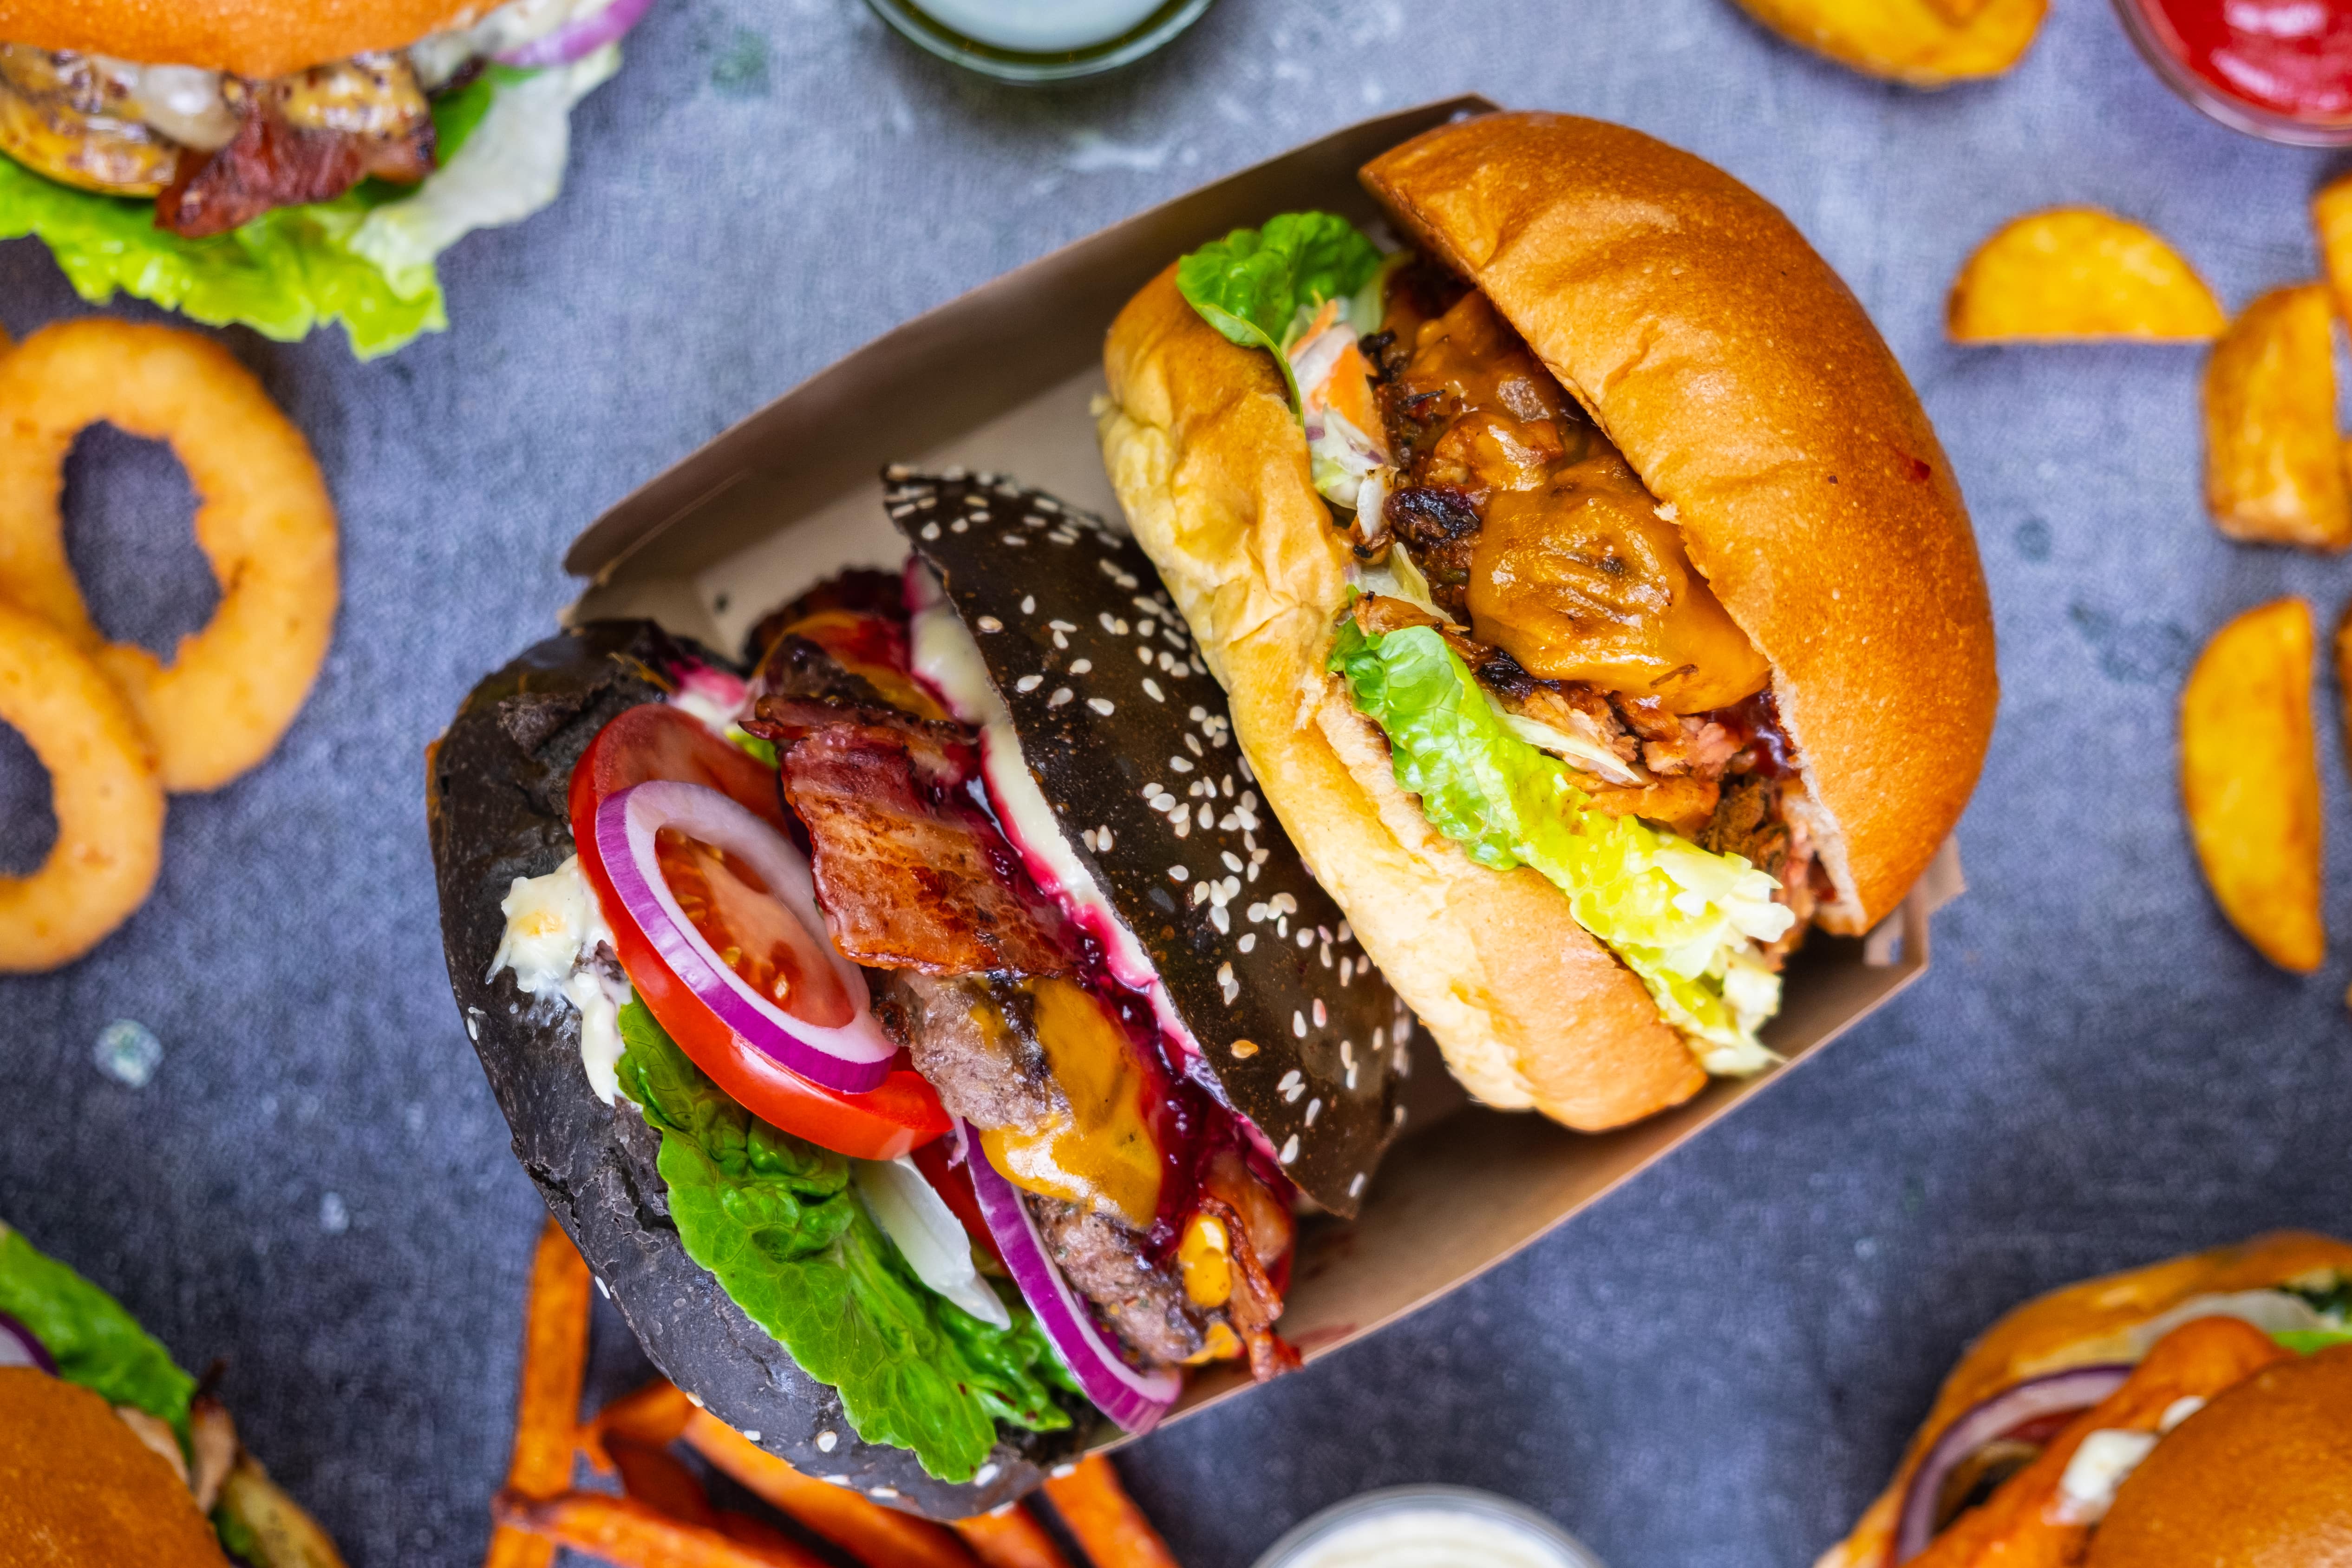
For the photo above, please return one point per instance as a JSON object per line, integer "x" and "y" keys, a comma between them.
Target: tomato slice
{"x": 654, "y": 742}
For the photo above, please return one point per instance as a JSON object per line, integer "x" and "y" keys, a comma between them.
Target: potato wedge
{"x": 2331, "y": 215}
{"x": 2274, "y": 464}
{"x": 2250, "y": 780}
{"x": 2079, "y": 273}
{"x": 1924, "y": 43}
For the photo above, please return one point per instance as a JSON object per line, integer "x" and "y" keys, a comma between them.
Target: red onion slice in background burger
{"x": 19, "y": 1346}
{"x": 2059, "y": 1392}
{"x": 580, "y": 35}
{"x": 1134, "y": 1399}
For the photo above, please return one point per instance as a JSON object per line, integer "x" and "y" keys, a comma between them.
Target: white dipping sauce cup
{"x": 1428, "y": 1527}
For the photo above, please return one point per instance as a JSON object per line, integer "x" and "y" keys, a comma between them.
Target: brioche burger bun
{"x": 245, "y": 37}
{"x": 2260, "y": 1475}
{"x": 1684, "y": 317}
{"x": 76, "y": 1486}
{"x": 2261, "y": 1478}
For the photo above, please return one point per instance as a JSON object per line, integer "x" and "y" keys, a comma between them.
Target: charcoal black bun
{"x": 495, "y": 789}
{"x": 1298, "y": 1031}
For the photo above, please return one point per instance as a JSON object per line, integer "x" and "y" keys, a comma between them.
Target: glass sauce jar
{"x": 2281, "y": 70}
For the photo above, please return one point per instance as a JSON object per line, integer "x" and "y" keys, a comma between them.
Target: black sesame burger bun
{"x": 1748, "y": 391}
{"x": 496, "y": 789}
{"x": 1124, "y": 734}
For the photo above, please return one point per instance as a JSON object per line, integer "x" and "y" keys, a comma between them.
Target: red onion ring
{"x": 851, "y": 1058}
{"x": 1136, "y": 1400}
{"x": 19, "y": 1346}
{"x": 2075, "y": 1389}
{"x": 581, "y": 36}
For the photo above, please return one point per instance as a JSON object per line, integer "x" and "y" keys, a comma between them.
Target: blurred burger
{"x": 2197, "y": 1412}
{"x": 281, "y": 166}
{"x": 110, "y": 1454}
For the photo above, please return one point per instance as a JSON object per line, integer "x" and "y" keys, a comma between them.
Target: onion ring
{"x": 263, "y": 519}
{"x": 108, "y": 802}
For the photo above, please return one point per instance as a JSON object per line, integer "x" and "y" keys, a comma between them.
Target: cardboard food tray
{"x": 1001, "y": 380}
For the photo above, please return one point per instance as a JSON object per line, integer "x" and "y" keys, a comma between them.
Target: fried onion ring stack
{"x": 115, "y": 726}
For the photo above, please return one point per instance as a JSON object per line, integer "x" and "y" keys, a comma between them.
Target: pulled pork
{"x": 1723, "y": 779}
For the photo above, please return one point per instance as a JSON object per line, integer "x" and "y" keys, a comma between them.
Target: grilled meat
{"x": 909, "y": 871}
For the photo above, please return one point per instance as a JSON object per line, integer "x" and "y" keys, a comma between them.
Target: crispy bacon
{"x": 909, "y": 872}
{"x": 1254, "y": 1303}
{"x": 305, "y": 138}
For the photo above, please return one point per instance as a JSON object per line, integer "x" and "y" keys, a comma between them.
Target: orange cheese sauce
{"x": 1102, "y": 1155}
{"x": 1573, "y": 571}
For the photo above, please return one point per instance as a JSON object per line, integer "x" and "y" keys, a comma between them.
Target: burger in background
{"x": 279, "y": 165}
{"x": 2195, "y": 1412}
{"x": 111, "y": 1454}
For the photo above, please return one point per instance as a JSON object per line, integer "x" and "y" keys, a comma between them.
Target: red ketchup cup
{"x": 2281, "y": 70}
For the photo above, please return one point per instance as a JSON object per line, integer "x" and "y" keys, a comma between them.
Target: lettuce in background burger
{"x": 281, "y": 166}
{"x": 111, "y": 1454}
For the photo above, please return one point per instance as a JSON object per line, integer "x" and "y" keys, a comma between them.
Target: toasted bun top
{"x": 245, "y": 37}
{"x": 2262, "y": 1478}
{"x": 77, "y": 1487}
{"x": 1745, "y": 384}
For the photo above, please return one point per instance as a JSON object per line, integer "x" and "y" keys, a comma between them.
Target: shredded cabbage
{"x": 1687, "y": 920}
{"x": 510, "y": 166}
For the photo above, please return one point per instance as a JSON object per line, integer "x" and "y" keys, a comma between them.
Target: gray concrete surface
{"x": 1717, "y": 1365}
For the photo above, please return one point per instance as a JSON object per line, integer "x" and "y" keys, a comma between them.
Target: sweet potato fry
{"x": 632, "y": 1534}
{"x": 1103, "y": 1518}
{"x": 2077, "y": 273}
{"x": 654, "y": 1416}
{"x": 742, "y": 1528}
{"x": 1926, "y": 43}
{"x": 1011, "y": 1538}
{"x": 547, "y": 1406}
{"x": 877, "y": 1536}
{"x": 659, "y": 1478}
{"x": 2273, "y": 466}
{"x": 2018, "y": 1527}
{"x": 2250, "y": 780}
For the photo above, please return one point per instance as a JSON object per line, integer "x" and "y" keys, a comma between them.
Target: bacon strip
{"x": 1254, "y": 1303}
{"x": 275, "y": 161}
{"x": 909, "y": 872}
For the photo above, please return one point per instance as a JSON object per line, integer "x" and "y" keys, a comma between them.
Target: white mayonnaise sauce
{"x": 553, "y": 929}
{"x": 1432, "y": 1537}
{"x": 947, "y": 659}
{"x": 1039, "y": 27}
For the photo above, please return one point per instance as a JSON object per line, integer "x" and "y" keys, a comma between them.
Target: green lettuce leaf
{"x": 282, "y": 274}
{"x": 2309, "y": 1341}
{"x": 774, "y": 1218}
{"x": 95, "y": 1342}
{"x": 1684, "y": 919}
{"x": 1259, "y": 286}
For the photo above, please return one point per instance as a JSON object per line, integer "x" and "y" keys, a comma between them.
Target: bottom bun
{"x": 2079, "y": 1325}
{"x": 2262, "y": 1478}
{"x": 1529, "y": 1007}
